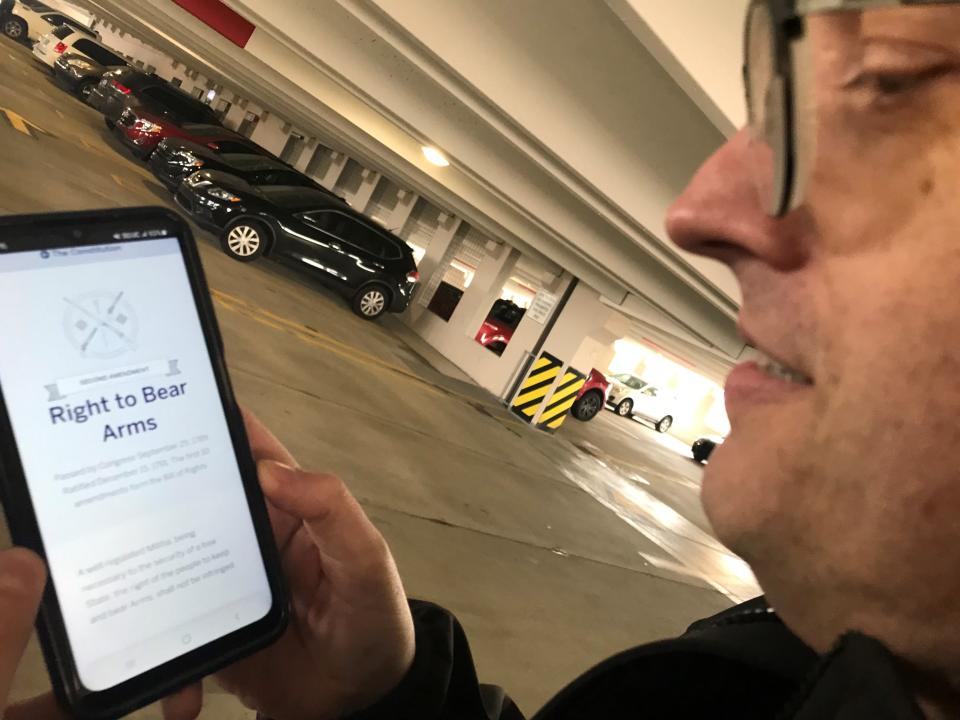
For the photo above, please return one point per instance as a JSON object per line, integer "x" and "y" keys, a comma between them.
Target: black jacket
{"x": 742, "y": 664}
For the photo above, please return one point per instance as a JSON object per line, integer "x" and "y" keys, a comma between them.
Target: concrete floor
{"x": 554, "y": 551}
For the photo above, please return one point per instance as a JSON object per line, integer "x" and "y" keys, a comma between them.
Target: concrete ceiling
{"x": 568, "y": 130}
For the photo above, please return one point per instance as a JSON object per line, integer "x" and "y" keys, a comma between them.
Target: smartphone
{"x": 124, "y": 462}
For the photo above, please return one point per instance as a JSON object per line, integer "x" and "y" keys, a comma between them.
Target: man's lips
{"x": 749, "y": 384}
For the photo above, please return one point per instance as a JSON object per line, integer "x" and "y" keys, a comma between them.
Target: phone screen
{"x": 129, "y": 462}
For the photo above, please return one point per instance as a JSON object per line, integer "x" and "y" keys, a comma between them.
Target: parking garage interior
{"x": 526, "y": 154}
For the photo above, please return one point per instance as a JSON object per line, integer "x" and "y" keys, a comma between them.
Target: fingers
{"x": 22, "y": 577}
{"x": 44, "y": 707}
{"x": 336, "y": 522}
{"x": 184, "y": 705}
{"x": 264, "y": 443}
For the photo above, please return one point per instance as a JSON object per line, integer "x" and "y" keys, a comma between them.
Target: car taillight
{"x": 413, "y": 277}
{"x": 120, "y": 87}
{"x": 60, "y": 48}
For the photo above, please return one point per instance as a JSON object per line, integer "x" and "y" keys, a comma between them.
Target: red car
{"x": 141, "y": 129}
{"x": 498, "y": 328}
{"x": 592, "y": 396}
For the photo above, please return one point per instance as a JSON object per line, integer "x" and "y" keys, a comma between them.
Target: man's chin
{"x": 741, "y": 484}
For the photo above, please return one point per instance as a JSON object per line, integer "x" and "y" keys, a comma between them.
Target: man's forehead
{"x": 934, "y": 24}
{"x": 814, "y": 6}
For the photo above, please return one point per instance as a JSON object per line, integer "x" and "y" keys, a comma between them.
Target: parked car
{"x": 78, "y": 74}
{"x": 27, "y": 21}
{"x": 592, "y": 396}
{"x": 371, "y": 266}
{"x": 703, "y": 448}
{"x": 168, "y": 113}
{"x": 172, "y": 163}
{"x": 90, "y": 61}
{"x": 52, "y": 45}
{"x": 117, "y": 87}
{"x": 632, "y": 397}
{"x": 498, "y": 327}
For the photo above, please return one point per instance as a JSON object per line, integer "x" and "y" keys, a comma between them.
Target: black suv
{"x": 370, "y": 265}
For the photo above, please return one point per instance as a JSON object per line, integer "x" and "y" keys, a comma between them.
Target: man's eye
{"x": 892, "y": 85}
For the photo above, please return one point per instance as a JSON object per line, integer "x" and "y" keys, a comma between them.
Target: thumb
{"x": 22, "y": 577}
{"x": 330, "y": 514}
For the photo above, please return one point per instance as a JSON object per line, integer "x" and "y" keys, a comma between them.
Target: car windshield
{"x": 507, "y": 313}
{"x": 631, "y": 381}
{"x": 179, "y": 105}
{"x": 295, "y": 198}
{"x": 63, "y": 31}
{"x": 97, "y": 52}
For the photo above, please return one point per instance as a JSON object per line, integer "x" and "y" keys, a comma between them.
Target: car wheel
{"x": 108, "y": 122}
{"x": 371, "y": 301}
{"x": 587, "y": 407}
{"x": 83, "y": 92}
{"x": 664, "y": 424}
{"x": 625, "y": 408}
{"x": 15, "y": 28}
{"x": 244, "y": 240}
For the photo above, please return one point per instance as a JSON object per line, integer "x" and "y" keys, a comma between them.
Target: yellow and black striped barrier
{"x": 563, "y": 398}
{"x": 537, "y": 384}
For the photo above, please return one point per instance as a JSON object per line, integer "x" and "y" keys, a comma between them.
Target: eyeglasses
{"x": 778, "y": 84}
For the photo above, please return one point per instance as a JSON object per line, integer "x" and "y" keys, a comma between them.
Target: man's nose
{"x": 720, "y": 215}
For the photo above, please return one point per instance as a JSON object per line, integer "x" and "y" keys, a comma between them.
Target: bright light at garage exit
{"x": 211, "y": 94}
{"x": 435, "y": 156}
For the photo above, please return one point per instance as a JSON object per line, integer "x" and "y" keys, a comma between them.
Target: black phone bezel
{"x": 78, "y": 229}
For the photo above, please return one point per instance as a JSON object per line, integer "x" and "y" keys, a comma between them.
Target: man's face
{"x": 844, "y": 493}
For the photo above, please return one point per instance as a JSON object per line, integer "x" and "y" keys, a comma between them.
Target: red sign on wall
{"x": 233, "y": 26}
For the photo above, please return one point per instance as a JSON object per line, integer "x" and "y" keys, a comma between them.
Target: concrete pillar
{"x": 306, "y": 155}
{"x": 434, "y": 264}
{"x": 495, "y": 269}
{"x": 361, "y": 200}
{"x": 572, "y": 338}
{"x": 235, "y": 116}
{"x": 406, "y": 200}
{"x": 439, "y": 254}
{"x": 338, "y": 161}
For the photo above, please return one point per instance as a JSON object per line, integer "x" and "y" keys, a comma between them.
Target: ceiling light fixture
{"x": 435, "y": 156}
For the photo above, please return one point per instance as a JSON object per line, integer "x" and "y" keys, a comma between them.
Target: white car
{"x": 632, "y": 397}
{"x": 51, "y": 48}
{"x": 29, "y": 20}
{"x": 52, "y": 45}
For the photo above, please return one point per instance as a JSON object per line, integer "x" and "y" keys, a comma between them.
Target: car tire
{"x": 85, "y": 88}
{"x": 109, "y": 123}
{"x": 15, "y": 28}
{"x": 371, "y": 301}
{"x": 497, "y": 347}
{"x": 625, "y": 408}
{"x": 665, "y": 424}
{"x": 245, "y": 240}
{"x": 588, "y": 407}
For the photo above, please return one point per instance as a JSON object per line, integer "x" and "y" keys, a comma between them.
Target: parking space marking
{"x": 21, "y": 124}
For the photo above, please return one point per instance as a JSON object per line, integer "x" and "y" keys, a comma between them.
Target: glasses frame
{"x": 787, "y": 32}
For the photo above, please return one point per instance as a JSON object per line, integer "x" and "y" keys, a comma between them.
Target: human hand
{"x": 22, "y": 577}
{"x": 351, "y": 638}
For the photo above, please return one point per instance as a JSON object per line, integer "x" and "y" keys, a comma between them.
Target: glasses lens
{"x": 767, "y": 109}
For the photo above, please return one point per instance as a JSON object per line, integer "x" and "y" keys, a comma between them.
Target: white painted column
{"x": 338, "y": 161}
{"x": 406, "y": 200}
{"x": 235, "y": 115}
{"x": 306, "y": 155}
{"x": 361, "y": 199}
{"x": 495, "y": 269}
{"x": 434, "y": 264}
